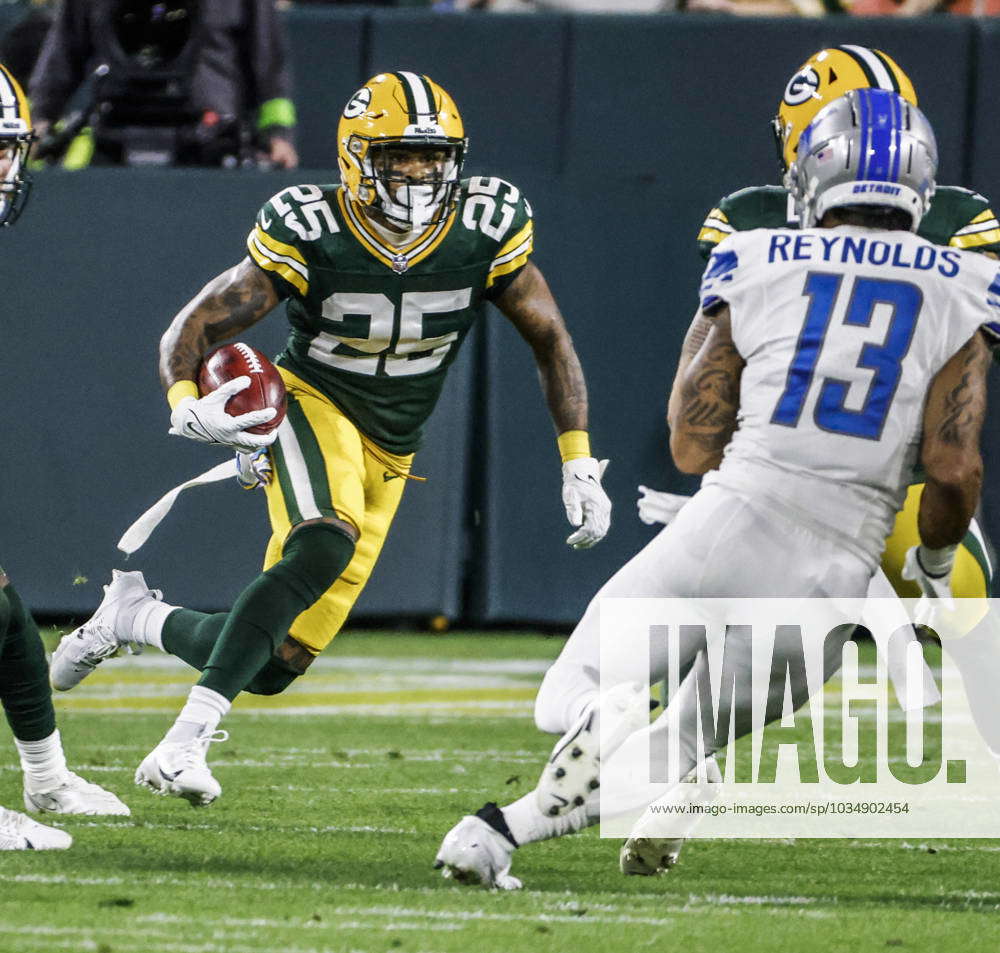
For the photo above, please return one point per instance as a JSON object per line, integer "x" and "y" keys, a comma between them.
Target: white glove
{"x": 253, "y": 469}
{"x": 933, "y": 587}
{"x": 205, "y": 419}
{"x": 657, "y": 506}
{"x": 587, "y": 505}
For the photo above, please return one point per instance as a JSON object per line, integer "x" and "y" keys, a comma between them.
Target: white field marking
{"x": 222, "y": 829}
{"x": 728, "y": 900}
{"x": 455, "y": 710}
{"x": 77, "y": 767}
{"x": 459, "y": 709}
{"x": 40, "y": 930}
{"x": 45, "y": 938}
{"x": 971, "y": 895}
{"x": 221, "y": 763}
{"x": 306, "y": 789}
{"x": 443, "y": 754}
{"x": 296, "y": 754}
{"x": 390, "y": 685}
{"x": 334, "y": 663}
{"x": 264, "y": 923}
{"x": 906, "y": 845}
{"x": 479, "y": 916}
{"x": 187, "y": 882}
{"x": 407, "y": 918}
{"x": 895, "y": 714}
{"x": 147, "y": 945}
{"x": 256, "y": 763}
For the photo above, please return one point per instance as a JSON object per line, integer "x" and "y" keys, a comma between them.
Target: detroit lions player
{"x": 835, "y": 356}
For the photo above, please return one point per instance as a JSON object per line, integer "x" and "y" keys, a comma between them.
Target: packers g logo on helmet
{"x": 401, "y": 110}
{"x": 826, "y": 76}
{"x": 15, "y": 140}
{"x": 801, "y": 87}
{"x": 359, "y": 102}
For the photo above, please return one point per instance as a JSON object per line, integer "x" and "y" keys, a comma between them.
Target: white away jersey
{"x": 842, "y": 331}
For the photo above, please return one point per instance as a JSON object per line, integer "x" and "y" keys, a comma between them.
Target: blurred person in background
{"x": 285, "y": 4}
{"x": 777, "y": 8}
{"x": 578, "y": 6}
{"x": 185, "y": 82}
{"x": 917, "y": 8}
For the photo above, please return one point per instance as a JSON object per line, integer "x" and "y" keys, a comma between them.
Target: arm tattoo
{"x": 963, "y": 404}
{"x": 710, "y": 397}
{"x": 705, "y": 399}
{"x": 696, "y": 334}
{"x": 529, "y": 305}
{"x": 227, "y": 305}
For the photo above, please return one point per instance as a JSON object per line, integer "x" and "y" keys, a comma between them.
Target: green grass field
{"x": 336, "y": 796}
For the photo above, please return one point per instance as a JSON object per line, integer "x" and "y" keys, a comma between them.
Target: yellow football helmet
{"x": 397, "y": 111}
{"x": 15, "y": 141}
{"x": 826, "y": 76}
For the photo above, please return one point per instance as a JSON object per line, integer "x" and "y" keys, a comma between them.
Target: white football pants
{"x": 721, "y": 544}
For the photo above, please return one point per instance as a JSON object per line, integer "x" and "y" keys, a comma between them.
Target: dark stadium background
{"x": 622, "y": 131}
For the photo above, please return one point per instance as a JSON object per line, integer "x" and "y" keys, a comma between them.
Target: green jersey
{"x": 957, "y": 217}
{"x": 375, "y": 326}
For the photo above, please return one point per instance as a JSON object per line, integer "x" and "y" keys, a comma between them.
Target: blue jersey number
{"x": 885, "y": 359}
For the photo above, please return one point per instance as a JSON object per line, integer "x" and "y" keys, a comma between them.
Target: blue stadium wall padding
{"x": 328, "y": 63}
{"x": 690, "y": 98}
{"x": 506, "y": 72}
{"x": 625, "y": 271}
{"x": 983, "y": 142}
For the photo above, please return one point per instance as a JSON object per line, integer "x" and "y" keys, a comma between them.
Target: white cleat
{"x": 20, "y": 832}
{"x": 474, "y": 852}
{"x": 104, "y": 633}
{"x": 649, "y": 856}
{"x": 646, "y": 856}
{"x": 573, "y": 770}
{"x": 178, "y": 769}
{"x": 74, "y": 795}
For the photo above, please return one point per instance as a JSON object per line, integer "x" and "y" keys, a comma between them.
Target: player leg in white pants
{"x": 720, "y": 545}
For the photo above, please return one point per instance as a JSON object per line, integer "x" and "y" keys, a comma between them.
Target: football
{"x": 266, "y": 389}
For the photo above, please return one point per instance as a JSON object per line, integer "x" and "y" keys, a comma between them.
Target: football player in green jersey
{"x": 957, "y": 217}
{"x": 49, "y": 786}
{"x": 383, "y": 276}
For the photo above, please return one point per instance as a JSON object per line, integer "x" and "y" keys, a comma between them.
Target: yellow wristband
{"x": 180, "y": 390}
{"x": 573, "y": 444}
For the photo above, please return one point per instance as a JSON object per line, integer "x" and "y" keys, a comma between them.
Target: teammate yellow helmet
{"x": 15, "y": 140}
{"x": 401, "y": 110}
{"x": 826, "y": 76}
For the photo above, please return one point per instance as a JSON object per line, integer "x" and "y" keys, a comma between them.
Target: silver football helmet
{"x": 869, "y": 147}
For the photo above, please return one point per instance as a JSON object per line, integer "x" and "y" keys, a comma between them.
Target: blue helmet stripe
{"x": 863, "y": 123}
{"x": 882, "y": 133}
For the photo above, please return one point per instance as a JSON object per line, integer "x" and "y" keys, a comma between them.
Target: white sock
{"x": 528, "y": 824}
{"x": 200, "y": 716}
{"x": 147, "y": 626}
{"x": 43, "y": 762}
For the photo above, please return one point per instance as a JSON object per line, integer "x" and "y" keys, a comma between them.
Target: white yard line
{"x": 693, "y": 904}
{"x": 225, "y": 830}
{"x": 455, "y": 665}
{"x": 445, "y": 710}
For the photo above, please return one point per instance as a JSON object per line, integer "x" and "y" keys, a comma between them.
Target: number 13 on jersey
{"x": 883, "y": 358}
